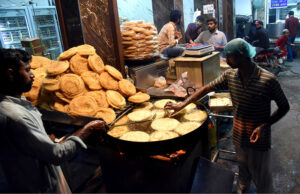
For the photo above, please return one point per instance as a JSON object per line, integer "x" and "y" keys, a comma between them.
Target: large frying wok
{"x": 164, "y": 146}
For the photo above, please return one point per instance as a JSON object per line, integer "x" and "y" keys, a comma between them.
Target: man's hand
{"x": 191, "y": 42}
{"x": 94, "y": 126}
{"x": 178, "y": 35}
{"x": 171, "y": 106}
{"x": 256, "y": 133}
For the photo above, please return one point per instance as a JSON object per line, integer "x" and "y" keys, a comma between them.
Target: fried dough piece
{"x": 108, "y": 82}
{"x": 100, "y": 97}
{"x": 33, "y": 94}
{"x": 96, "y": 63}
{"x": 196, "y": 116}
{"x": 107, "y": 114}
{"x": 139, "y": 98}
{"x": 161, "y": 103}
{"x": 126, "y": 87}
{"x": 38, "y": 61}
{"x": 162, "y": 135}
{"x": 57, "y": 67}
{"x": 164, "y": 124}
{"x": 118, "y": 131}
{"x": 71, "y": 85}
{"x": 144, "y": 106}
{"x": 59, "y": 106}
{"x": 186, "y": 127}
{"x": 140, "y": 115}
{"x": 61, "y": 97}
{"x": 137, "y": 136}
{"x": 122, "y": 120}
{"x": 67, "y": 54}
{"x": 84, "y": 106}
{"x": 115, "y": 99}
{"x": 91, "y": 79}
{"x": 79, "y": 64}
{"x": 86, "y": 50}
{"x": 113, "y": 72}
{"x": 190, "y": 107}
{"x": 51, "y": 84}
{"x": 159, "y": 113}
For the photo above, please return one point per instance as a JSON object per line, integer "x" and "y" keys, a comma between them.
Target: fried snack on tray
{"x": 67, "y": 54}
{"x": 59, "y": 106}
{"x": 136, "y": 136}
{"x": 164, "y": 124}
{"x": 100, "y": 97}
{"x": 79, "y": 64}
{"x": 140, "y": 115}
{"x": 86, "y": 50}
{"x": 162, "y": 135}
{"x": 57, "y": 67}
{"x": 51, "y": 84}
{"x": 113, "y": 72}
{"x": 107, "y": 114}
{"x": 126, "y": 87}
{"x": 38, "y": 61}
{"x": 91, "y": 79}
{"x": 115, "y": 99}
{"x": 61, "y": 97}
{"x": 71, "y": 85}
{"x": 83, "y": 106}
{"x": 139, "y": 98}
{"x": 96, "y": 63}
{"x": 118, "y": 131}
{"x": 108, "y": 82}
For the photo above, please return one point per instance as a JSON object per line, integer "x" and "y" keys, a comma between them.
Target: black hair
{"x": 175, "y": 15}
{"x": 212, "y": 20}
{"x": 11, "y": 58}
{"x": 291, "y": 13}
{"x": 200, "y": 19}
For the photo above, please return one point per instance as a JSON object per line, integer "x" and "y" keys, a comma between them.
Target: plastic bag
{"x": 160, "y": 82}
{"x": 179, "y": 87}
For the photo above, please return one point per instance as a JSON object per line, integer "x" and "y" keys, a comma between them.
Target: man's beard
{"x": 21, "y": 87}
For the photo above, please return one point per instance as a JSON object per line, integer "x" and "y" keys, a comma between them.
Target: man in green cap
{"x": 252, "y": 89}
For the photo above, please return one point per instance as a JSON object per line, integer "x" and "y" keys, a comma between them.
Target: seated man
{"x": 194, "y": 29}
{"x": 169, "y": 37}
{"x": 29, "y": 159}
{"x": 261, "y": 38}
{"x": 212, "y": 36}
{"x": 282, "y": 42}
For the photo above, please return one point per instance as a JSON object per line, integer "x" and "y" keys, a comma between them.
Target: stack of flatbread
{"x": 80, "y": 84}
{"x": 140, "y": 40}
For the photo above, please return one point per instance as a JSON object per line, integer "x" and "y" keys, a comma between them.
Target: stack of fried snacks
{"x": 80, "y": 84}
{"x": 140, "y": 40}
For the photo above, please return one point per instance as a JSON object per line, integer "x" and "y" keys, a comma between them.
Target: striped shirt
{"x": 251, "y": 104}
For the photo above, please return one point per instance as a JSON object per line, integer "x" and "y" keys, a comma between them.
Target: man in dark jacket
{"x": 261, "y": 38}
{"x": 194, "y": 29}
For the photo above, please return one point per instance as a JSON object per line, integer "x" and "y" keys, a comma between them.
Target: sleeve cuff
{"x": 77, "y": 140}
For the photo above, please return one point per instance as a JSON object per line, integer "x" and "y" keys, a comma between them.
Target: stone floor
{"x": 285, "y": 137}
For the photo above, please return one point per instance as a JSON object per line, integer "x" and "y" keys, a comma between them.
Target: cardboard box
{"x": 31, "y": 43}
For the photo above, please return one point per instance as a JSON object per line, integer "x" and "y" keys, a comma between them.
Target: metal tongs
{"x": 135, "y": 122}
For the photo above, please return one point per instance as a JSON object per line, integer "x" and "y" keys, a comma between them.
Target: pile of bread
{"x": 80, "y": 84}
{"x": 161, "y": 127}
{"x": 140, "y": 40}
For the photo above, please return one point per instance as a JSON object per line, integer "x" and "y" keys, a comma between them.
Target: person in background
{"x": 194, "y": 29}
{"x": 292, "y": 24}
{"x": 251, "y": 32}
{"x": 282, "y": 42}
{"x": 212, "y": 36}
{"x": 29, "y": 158}
{"x": 251, "y": 89}
{"x": 296, "y": 10}
{"x": 168, "y": 36}
{"x": 261, "y": 38}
